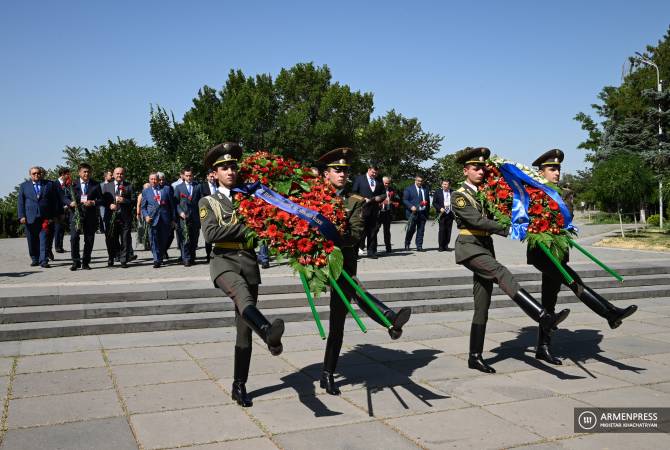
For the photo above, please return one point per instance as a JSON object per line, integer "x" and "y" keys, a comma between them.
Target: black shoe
{"x": 407, "y": 247}
{"x": 543, "y": 353}
{"x": 110, "y": 262}
{"x": 373, "y": 256}
{"x": 133, "y": 257}
{"x": 60, "y": 250}
{"x": 45, "y": 266}
{"x": 440, "y": 249}
{"x": 420, "y": 249}
{"x": 475, "y": 361}
{"x": 157, "y": 265}
{"x": 239, "y": 394}
{"x": 389, "y": 250}
{"x": 85, "y": 266}
{"x": 265, "y": 265}
{"x": 208, "y": 259}
{"x": 74, "y": 266}
{"x": 124, "y": 265}
{"x": 117, "y": 259}
{"x": 34, "y": 264}
{"x": 187, "y": 264}
{"x": 328, "y": 383}
{"x": 51, "y": 256}
{"x": 399, "y": 320}
{"x": 270, "y": 333}
{"x": 620, "y": 314}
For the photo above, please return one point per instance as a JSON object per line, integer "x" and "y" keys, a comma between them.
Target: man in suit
{"x": 118, "y": 201}
{"x": 474, "y": 250}
{"x": 162, "y": 181}
{"x": 549, "y": 165}
{"x": 209, "y": 188}
{"x": 60, "y": 219}
{"x": 416, "y": 200}
{"x": 158, "y": 212}
{"x": 38, "y": 203}
{"x": 108, "y": 177}
{"x": 372, "y": 190}
{"x": 87, "y": 199}
{"x": 187, "y": 195}
{"x": 386, "y": 212}
{"x": 233, "y": 268}
{"x": 442, "y": 204}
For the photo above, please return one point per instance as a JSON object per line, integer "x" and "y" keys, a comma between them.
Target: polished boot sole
{"x": 274, "y": 337}
{"x": 545, "y": 358}
{"x": 482, "y": 368}
{"x": 333, "y": 391}
{"x": 629, "y": 311}
{"x": 241, "y": 402}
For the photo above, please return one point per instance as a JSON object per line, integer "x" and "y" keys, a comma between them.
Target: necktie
{"x": 372, "y": 184}
{"x": 37, "y": 189}
{"x": 117, "y": 189}
{"x": 190, "y": 189}
{"x": 84, "y": 188}
{"x": 447, "y": 201}
{"x": 212, "y": 188}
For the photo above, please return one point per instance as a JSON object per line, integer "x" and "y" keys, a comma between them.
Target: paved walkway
{"x": 172, "y": 389}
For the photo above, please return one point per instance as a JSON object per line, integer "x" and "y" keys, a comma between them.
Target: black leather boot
{"x": 398, "y": 320}
{"x": 333, "y": 347}
{"x": 475, "y": 360}
{"x": 542, "y": 351}
{"x": 241, "y": 373}
{"x": 271, "y": 334}
{"x": 547, "y": 320}
{"x": 603, "y": 308}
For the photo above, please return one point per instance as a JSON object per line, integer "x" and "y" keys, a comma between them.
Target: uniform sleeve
{"x": 213, "y": 232}
{"x": 468, "y": 215}
{"x": 356, "y": 225}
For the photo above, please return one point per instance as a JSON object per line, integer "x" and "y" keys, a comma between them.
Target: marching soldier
{"x": 549, "y": 165}
{"x": 335, "y": 168}
{"x": 474, "y": 250}
{"x": 233, "y": 267}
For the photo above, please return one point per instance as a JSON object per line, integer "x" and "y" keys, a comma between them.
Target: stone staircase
{"x": 135, "y": 307}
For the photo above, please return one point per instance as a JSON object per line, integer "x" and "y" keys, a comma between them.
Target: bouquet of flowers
{"x": 76, "y": 212}
{"x": 289, "y": 237}
{"x": 183, "y": 198}
{"x": 546, "y": 224}
{"x": 112, "y": 221}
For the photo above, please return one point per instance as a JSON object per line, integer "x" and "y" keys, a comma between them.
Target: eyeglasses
{"x": 35, "y": 173}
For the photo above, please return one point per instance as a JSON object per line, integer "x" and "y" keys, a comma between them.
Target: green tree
{"x": 622, "y": 181}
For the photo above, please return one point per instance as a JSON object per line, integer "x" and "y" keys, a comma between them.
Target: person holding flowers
{"x": 158, "y": 212}
{"x": 233, "y": 267}
{"x": 117, "y": 199}
{"x": 335, "y": 168}
{"x": 540, "y": 210}
{"x": 416, "y": 200}
{"x": 83, "y": 197}
{"x": 474, "y": 249}
{"x": 187, "y": 195}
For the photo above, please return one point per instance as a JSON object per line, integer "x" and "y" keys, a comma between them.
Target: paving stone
{"x": 154, "y": 373}
{"x": 549, "y": 417}
{"x": 241, "y": 444}
{"x": 634, "y": 345}
{"x": 396, "y": 401}
{"x": 203, "y": 335}
{"x": 663, "y": 358}
{"x": 632, "y": 370}
{"x": 63, "y": 361}
{"x": 130, "y": 340}
{"x": 411, "y": 332}
{"x": 663, "y": 387}
{"x": 193, "y": 426}
{"x": 6, "y": 366}
{"x": 211, "y": 350}
{"x": 275, "y": 385}
{"x": 367, "y": 375}
{"x": 492, "y": 326}
{"x": 629, "y": 396}
{"x": 665, "y": 337}
{"x": 638, "y": 441}
{"x": 470, "y": 428}
{"x": 4, "y": 383}
{"x": 99, "y": 434}
{"x": 315, "y": 358}
{"x": 396, "y": 351}
{"x": 454, "y": 345}
{"x": 10, "y": 348}
{"x": 556, "y": 445}
{"x": 439, "y": 368}
{"x": 60, "y": 345}
{"x": 306, "y": 413}
{"x": 567, "y": 379}
{"x": 146, "y": 355}
{"x": 61, "y": 382}
{"x": 53, "y": 409}
{"x": 488, "y": 390}
{"x": 168, "y": 396}
{"x": 359, "y": 435}
{"x": 260, "y": 364}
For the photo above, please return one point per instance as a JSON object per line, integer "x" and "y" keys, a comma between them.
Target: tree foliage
{"x": 622, "y": 181}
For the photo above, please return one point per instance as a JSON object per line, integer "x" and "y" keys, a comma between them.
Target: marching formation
{"x": 216, "y": 209}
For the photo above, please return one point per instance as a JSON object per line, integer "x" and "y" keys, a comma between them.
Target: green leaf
{"x": 335, "y": 263}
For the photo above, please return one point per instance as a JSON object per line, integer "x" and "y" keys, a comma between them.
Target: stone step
{"x": 161, "y": 322}
{"x": 127, "y": 292}
{"x": 267, "y": 302}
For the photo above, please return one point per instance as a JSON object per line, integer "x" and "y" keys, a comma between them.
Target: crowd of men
{"x": 163, "y": 210}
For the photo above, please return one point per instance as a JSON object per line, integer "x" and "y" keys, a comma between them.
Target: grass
{"x": 645, "y": 240}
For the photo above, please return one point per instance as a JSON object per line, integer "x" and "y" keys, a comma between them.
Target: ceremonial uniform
{"x": 552, "y": 279}
{"x": 339, "y": 158}
{"x": 234, "y": 270}
{"x": 474, "y": 249}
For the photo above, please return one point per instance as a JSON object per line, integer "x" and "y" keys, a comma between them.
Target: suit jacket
{"x": 125, "y": 208}
{"x": 227, "y": 260}
{"x": 93, "y": 192}
{"x": 160, "y": 211}
{"x": 32, "y": 207}
{"x": 470, "y": 214}
{"x": 411, "y": 197}
{"x": 362, "y": 188}
{"x": 438, "y": 202}
{"x": 205, "y": 189}
{"x": 188, "y": 204}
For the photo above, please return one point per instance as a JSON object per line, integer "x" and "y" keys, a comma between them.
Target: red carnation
{"x": 502, "y": 193}
{"x": 328, "y": 246}
{"x": 553, "y": 205}
{"x": 543, "y": 225}
{"x": 536, "y": 209}
{"x": 560, "y": 220}
{"x": 305, "y": 245}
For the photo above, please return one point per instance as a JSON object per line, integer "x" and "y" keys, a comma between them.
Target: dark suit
{"x": 161, "y": 210}
{"x": 117, "y": 235}
{"x": 37, "y": 202}
{"x": 386, "y": 213}
{"x": 89, "y": 219}
{"x": 59, "y": 225}
{"x": 187, "y": 203}
{"x": 208, "y": 189}
{"x": 413, "y": 196}
{"x": 363, "y": 188}
{"x": 446, "y": 218}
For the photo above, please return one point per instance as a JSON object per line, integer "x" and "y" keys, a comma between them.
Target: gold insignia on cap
{"x": 203, "y": 212}
{"x": 481, "y": 158}
{"x": 460, "y": 202}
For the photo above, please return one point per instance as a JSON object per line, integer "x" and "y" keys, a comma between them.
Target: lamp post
{"x": 645, "y": 60}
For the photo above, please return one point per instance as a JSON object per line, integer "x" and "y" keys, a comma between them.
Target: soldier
{"x": 549, "y": 165}
{"x": 474, "y": 250}
{"x": 233, "y": 267}
{"x": 335, "y": 165}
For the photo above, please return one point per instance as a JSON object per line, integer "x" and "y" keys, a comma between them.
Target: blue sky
{"x": 507, "y": 75}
